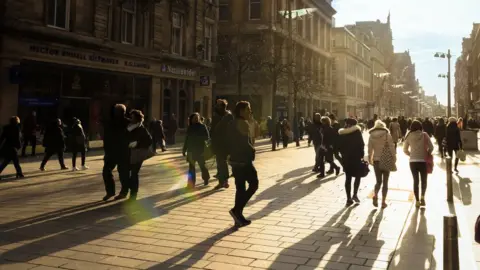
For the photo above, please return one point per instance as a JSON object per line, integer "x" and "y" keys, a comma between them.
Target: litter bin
{"x": 469, "y": 140}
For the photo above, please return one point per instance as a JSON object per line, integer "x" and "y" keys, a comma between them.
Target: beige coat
{"x": 376, "y": 143}
{"x": 395, "y": 131}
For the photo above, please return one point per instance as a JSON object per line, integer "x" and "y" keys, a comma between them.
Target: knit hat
{"x": 379, "y": 124}
{"x": 351, "y": 121}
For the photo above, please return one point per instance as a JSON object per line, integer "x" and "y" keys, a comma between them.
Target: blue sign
{"x": 38, "y": 102}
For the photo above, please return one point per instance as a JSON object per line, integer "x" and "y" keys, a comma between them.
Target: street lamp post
{"x": 449, "y": 78}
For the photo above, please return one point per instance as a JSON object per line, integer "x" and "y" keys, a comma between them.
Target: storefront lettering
{"x": 179, "y": 71}
{"x": 85, "y": 56}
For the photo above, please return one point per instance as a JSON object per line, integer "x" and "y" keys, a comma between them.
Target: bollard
{"x": 450, "y": 243}
{"x": 449, "y": 180}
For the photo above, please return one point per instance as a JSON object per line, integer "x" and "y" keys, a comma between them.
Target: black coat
{"x": 440, "y": 132}
{"x": 219, "y": 131}
{"x": 77, "y": 138}
{"x": 454, "y": 140}
{"x": 240, "y": 143}
{"x": 315, "y": 132}
{"x": 197, "y": 135}
{"x": 54, "y": 138}
{"x": 428, "y": 127}
{"x": 141, "y": 136}
{"x": 352, "y": 149}
{"x": 116, "y": 140}
{"x": 10, "y": 140}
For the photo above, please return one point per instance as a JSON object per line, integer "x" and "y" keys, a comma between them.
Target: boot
{"x": 456, "y": 165}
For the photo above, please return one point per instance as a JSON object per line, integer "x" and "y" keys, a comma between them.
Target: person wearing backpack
{"x": 380, "y": 140}
{"x": 219, "y": 133}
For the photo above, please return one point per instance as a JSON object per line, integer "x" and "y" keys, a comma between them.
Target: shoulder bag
{"x": 387, "y": 159}
{"x": 428, "y": 156}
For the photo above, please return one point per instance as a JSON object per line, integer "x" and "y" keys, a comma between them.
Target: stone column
{"x": 156, "y": 106}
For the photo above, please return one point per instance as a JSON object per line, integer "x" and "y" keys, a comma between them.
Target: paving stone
{"x": 123, "y": 262}
{"x": 231, "y": 259}
{"x": 50, "y": 261}
{"x": 288, "y": 259}
{"x": 275, "y": 265}
{"x": 250, "y": 254}
{"x": 79, "y": 265}
{"x": 223, "y": 266}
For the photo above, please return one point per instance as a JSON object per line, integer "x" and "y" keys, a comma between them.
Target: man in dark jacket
{"x": 54, "y": 143}
{"x": 9, "y": 145}
{"x": 30, "y": 133}
{"x": 428, "y": 127}
{"x": 115, "y": 144}
{"x": 158, "y": 135}
{"x": 315, "y": 134}
{"x": 242, "y": 155}
{"x": 220, "y": 124}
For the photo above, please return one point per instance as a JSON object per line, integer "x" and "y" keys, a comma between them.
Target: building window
{"x": 128, "y": 21}
{"x": 58, "y": 15}
{"x": 224, "y": 10}
{"x": 255, "y": 9}
{"x": 208, "y": 42}
{"x": 177, "y": 33}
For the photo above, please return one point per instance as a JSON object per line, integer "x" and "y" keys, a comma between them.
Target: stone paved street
{"x": 54, "y": 220}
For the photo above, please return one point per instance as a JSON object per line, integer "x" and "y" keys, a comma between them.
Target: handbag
{"x": 139, "y": 155}
{"x": 428, "y": 156}
{"x": 477, "y": 230}
{"x": 387, "y": 160}
{"x": 461, "y": 155}
{"x": 363, "y": 169}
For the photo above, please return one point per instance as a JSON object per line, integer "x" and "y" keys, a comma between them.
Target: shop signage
{"x": 91, "y": 57}
{"x": 38, "y": 102}
{"x": 179, "y": 71}
{"x": 204, "y": 80}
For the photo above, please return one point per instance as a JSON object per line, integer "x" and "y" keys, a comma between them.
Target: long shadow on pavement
{"x": 416, "y": 249}
{"x": 49, "y": 236}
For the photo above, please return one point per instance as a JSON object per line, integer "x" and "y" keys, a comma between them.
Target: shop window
{"x": 255, "y": 9}
{"x": 224, "y": 10}
{"x": 208, "y": 42}
{"x": 177, "y": 33}
{"x": 128, "y": 21}
{"x": 182, "y": 109}
{"x": 58, "y": 13}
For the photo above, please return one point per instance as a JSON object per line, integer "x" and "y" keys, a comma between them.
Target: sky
{"x": 421, "y": 26}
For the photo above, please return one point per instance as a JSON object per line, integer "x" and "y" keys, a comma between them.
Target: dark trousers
{"x": 11, "y": 158}
{"x": 244, "y": 174}
{"x": 74, "y": 157}
{"x": 192, "y": 175}
{"x": 154, "y": 143}
{"x": 441, "y": 147}
{"x": 348, "y": 186}
{"x": 109, "y": 165}
{"x": 450, "y": 154}
{"x": 133, "y": 182}
{"x": 222, "y": 168}
{"x": 49, "y": 153}
{"x": 285, "y": 139}
{"x": 29, "y": 139}
{"x": 382, "y": 180}
{"x": 419, "y": 172}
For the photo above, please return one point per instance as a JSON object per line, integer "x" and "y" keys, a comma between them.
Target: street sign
{"x": 204, "y": 80}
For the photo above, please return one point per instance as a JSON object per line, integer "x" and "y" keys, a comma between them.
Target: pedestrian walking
{"x": 194, "y": 150}
{"x": 117, "y": 154}
{"x": 220, "y": 123}
{"x": 286, "y": 133}
{"x": 418, "y": 146}
{"x": 29, "y": 132}
{"x": 428, "y": 127}
{"x": 270, "y": 126}
{"x": 10, "y": 144}
{"x": 381, "y": 140}
{"x": 78, "y": 142}
{"x": 403, "y": 126}
{"x": 351, "y": 146}
{"x": 336, "y": 128}
{"x": 301, "y": 128}
{"x": 242, "y": 155}
{"x": 139, "y": 142}
{"x": 54, "y": 143}
{"x": 278, "y": 132}
{"x": 326, "y": 151}
{"x": 440, "y": 134}
{"x": 158, "y": 135}
{"x": 316, "y": 136}
{"x": 454, "y": 140}
{"x": 395, "y": 131}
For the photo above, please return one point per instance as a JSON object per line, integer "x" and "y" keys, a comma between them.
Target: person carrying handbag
{"x": 382, "y": 155}
{"x": 194, "y": 149}
{"x": 140, "y": 143}
{"x": 419, "y": 148}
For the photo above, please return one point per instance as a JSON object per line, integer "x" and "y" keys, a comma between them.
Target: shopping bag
{"x": 461, "y": 155}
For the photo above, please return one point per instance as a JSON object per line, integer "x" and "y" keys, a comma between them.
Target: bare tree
{"x": 239, "y": 54}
